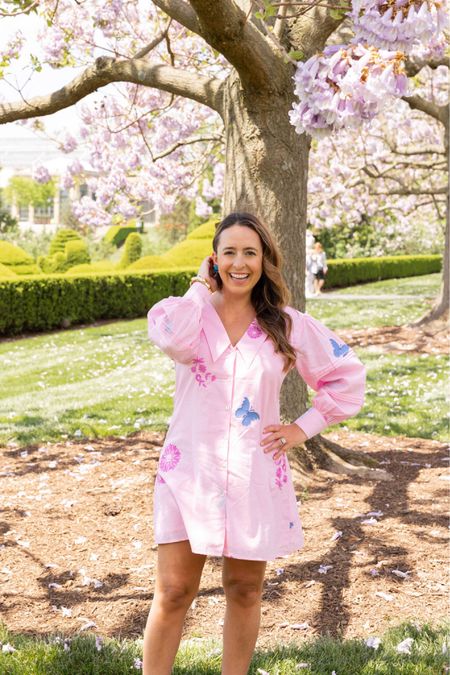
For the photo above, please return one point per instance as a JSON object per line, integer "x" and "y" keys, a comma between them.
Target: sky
{"x": 41, "y": 83}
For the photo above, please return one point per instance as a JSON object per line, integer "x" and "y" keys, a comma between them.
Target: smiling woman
{"x": 224, "y": 485}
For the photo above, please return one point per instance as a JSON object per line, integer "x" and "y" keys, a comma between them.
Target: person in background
{"x": 309, "y": 277}
{"x": 318, "y": 266}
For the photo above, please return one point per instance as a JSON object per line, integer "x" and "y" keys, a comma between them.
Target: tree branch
{"x": 190, "y": 141}
{"x": 439, "y": 112}
{"x": 154, "y": 43}
{"x": 309, "y": 32}
{"x": 181, "y": 12}
{"x": 224, "y": 26}
{"x": 280, "y": 22}
{"x": 413, "y": 67}
{"x": 105, "y": 70}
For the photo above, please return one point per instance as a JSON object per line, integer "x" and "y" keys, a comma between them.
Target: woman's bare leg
{"x": 177, "y": 581}
{"x": 242, "y": 583}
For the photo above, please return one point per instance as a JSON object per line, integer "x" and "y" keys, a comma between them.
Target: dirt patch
{"x": 76, "y": 543}
{"x": 430, "y": 339}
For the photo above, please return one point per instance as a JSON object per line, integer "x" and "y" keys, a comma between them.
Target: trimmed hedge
{"x": 348, "y": 272}
{"x": 42, "y": 303}
{"x": 38, "y": 303}
{"x": 105, "y": 266}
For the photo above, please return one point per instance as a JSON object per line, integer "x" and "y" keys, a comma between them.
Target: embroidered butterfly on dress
{"x": 339, "y": 350}
{"x": 247, "y": 413}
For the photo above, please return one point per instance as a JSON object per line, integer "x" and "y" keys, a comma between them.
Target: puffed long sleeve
{"x": 331, "y": 368}
{"x": 174, "y": 324}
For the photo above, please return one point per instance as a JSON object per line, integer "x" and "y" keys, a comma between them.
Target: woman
{"x": 223, "y": 486}
{"x": 318, "y": 267}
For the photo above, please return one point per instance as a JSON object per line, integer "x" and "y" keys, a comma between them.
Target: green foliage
{"x": 60, "y": 239}
{"x": 117, "y": 234}
{"x": 16, "y": 259}
{"x": 356, "y": 270}
{"x": 204, "y": 231}
{"x": 132, "y": 249}
{"x": 105, "y": 266}
{"x": 7, "y": 222}
{"x": 151, "y": 262}
{"x": 34, "y": 243}
{"x": 188, "y": 252}
{"x": 76, "y": 253}
{"x": 24, "y": 191}
{"x": 6, "y": 271}
{"x": 44, "y": 303}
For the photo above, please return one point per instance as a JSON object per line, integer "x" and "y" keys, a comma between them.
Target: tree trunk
{"x": 441, "y": 307}
{"x": 266, "y": 174}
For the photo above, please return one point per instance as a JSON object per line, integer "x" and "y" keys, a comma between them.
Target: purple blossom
{"x": 170, "y": 457}
{"x": 344, "y": 86}
{"x": 397, "y": 24}
{"x": 41, "y": 175}
{"x": 68, "y": 144}
{"x": 202, "y": 209}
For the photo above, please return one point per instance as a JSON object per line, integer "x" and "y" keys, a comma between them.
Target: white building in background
{"x": 19, "y": 156}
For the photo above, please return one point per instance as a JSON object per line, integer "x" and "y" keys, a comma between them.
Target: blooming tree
{"x": 173, "y": 74}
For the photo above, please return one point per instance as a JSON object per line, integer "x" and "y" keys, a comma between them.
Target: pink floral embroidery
{"x": 281, "y": 472}
{"x": 169, "y": 458}
{"x": 159, "y": 478}
{"x": 254, "y": 331}
{"x": 203, "y": 376}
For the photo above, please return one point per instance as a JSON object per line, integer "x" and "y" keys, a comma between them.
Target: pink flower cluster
{"x": 345, "y": 86}
{"x": 170, "y": 457}
{"x": 202, "y": 375}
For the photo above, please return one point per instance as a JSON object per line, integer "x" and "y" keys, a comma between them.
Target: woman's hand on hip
{"x": 282, "y": 437}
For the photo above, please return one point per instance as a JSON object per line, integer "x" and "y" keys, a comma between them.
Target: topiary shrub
{"x": 188, "y": 252}
{"x": 205, "y": 231}
{"x": 132, "y": 250}
{"x": 151, "y": 262}
{"x": 76, "y": 253}
{"x": 16, "y": 259}
{"x": 6, "y": 271}
{"x": 59, "y": 241}
{"x": 117, "y": 234}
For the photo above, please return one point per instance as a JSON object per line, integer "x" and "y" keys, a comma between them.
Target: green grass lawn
{"x": 387, "y": 312}
{"x": 82, "y": 656}
{"x": 110, "y": 380}
{"x": 427, "y": 285}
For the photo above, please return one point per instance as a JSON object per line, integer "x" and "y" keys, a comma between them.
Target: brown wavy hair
{"x": 270, "y": 295}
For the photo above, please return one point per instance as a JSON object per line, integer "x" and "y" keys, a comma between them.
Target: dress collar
{"x": 218, "y": 340}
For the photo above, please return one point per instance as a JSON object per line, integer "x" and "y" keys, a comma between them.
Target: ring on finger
{"x": 283, "y": 442}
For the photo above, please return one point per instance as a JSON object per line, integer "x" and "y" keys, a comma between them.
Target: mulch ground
{"x": 76, "y": 543}
{"x": 431, "y": 338}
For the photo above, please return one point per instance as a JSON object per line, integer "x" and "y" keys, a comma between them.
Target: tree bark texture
{"x": 266, "y": 174}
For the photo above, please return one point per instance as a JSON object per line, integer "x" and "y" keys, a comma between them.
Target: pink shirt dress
{"x": 215, "y": 486}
